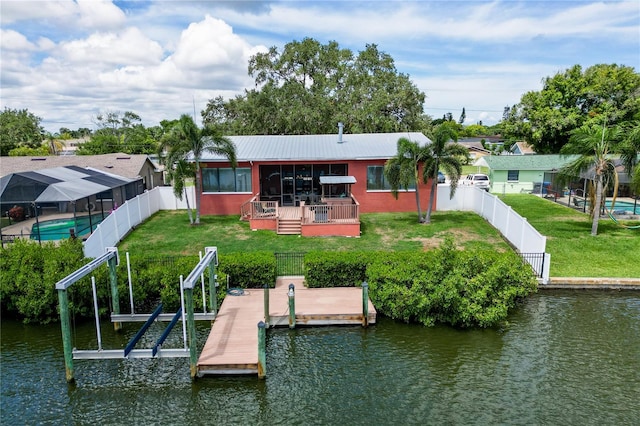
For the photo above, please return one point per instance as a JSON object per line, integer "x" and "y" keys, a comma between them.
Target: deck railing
{"x": 263, "y": 209}
{"x": 246, "y": 208}
{"x": 332, "y": 212}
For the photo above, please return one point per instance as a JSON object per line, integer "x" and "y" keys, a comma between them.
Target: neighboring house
{"x": 132, "y": 166}
{"x": 474, "y": 145}
{"x": 522, "y": 148}
{"x": 330, "y": 179}
{"x": 524, "y": 173}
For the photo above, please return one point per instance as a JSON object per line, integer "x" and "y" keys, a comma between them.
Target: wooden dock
{"x": 232, "y": 345}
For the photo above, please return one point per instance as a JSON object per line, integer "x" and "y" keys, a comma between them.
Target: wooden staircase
{"x": 289, "y": 226}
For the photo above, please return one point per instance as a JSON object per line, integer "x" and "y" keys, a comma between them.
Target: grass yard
{"x": 614, "y": 252}
{"x": 168, "y": 233}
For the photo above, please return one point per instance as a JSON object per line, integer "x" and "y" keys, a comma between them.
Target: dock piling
{"x": 67, "y": 344}
{"x": 365, "y": 304}
{"x": 115, "y": 299}
{"x": 292, "y": 306}
{"x": 267, "y": 319}
{"x": 262, "y": 355}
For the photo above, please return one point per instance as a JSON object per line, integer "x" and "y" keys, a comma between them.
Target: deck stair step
{"x": 289, "y": 226}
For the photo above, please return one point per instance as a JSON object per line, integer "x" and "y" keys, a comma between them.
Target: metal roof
{"x": 525, "y": 162}
{"x": 361, "y": 146}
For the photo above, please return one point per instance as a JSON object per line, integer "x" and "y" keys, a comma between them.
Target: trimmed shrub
{"x": 249, "y": 270}
{"x": 336, "y": 269}
{"x": 459, "y": 288}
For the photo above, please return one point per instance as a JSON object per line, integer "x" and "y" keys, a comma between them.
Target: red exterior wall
{"x": 225, "y": 203}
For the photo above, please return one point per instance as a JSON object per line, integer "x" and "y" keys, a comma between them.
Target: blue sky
{"x": 68, "y": 61}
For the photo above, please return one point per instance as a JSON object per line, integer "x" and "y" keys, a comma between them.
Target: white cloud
{"x": 130, "y": 47}
{"x": 14, "y": 41}
{"x": 96, "y": 14}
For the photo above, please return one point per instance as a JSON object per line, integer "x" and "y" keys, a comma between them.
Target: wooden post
{"x": 292, "y": 306}
{"x": 191, "y": 331}
{"x": 365, "y": 304}
{"x": 267, "y": 318}
{"x": 66, "y": 335}
{"x": 115, "y": 299}
{"x": 262, "y": 351}
{"x": 213, "y": 290}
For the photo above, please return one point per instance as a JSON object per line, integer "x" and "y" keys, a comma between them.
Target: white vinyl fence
{"x": 135, "y": 211}
{"x": 515, "y": 228}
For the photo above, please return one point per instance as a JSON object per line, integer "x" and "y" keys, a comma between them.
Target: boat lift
{"x": 186, "y": 313}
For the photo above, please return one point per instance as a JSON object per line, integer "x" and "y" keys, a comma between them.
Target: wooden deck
{"x": 232, "y": 345}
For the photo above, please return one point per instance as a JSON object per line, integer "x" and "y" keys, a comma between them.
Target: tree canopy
{"x": 20, "y": 129}
{"x": 571, "y": 99}
{"x": 121, "y": 133}
{"x": 309, "y": 87}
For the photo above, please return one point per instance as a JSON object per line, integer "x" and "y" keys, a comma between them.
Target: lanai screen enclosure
{"x": 62, "y": 192}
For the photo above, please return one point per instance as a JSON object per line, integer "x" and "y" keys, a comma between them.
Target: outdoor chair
{"x": 262, "y": 211}
{"x": 578, "y": 203}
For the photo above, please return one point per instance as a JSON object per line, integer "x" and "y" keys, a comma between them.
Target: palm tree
{"x": 629, "y": 153}
{"x": 402, "y": 171}
{"x": 593, "y": 145}
{"x": 186, "y": 142}
{"x": 445, "y": 155}
{"x": 178, "y": 173}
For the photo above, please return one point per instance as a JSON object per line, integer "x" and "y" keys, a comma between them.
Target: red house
{"x": 308, "y": 184}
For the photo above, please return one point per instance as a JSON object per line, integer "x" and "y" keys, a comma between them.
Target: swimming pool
{"x": 58, "y": 229}
{"x": 624, "y": 206}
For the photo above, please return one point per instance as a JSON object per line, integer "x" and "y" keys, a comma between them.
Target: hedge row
{"x": 444, "y": 285}
{"x": 460, "y": 288}
{"x": 29, "y": 272}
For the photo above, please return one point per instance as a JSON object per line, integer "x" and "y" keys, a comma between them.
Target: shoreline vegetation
{"x": 483, "y": 262}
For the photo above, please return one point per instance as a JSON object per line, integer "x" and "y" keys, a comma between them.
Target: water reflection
{"x": 563, "y": 358}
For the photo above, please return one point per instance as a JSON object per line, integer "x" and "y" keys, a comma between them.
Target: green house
{"x": 523, "y": 173}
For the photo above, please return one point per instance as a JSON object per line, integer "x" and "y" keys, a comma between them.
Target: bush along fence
{"x": 515, "y": 228}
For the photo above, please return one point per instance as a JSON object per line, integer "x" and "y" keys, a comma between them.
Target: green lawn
{"x": 614, "y": 252}
{"x": 168, "y": 233}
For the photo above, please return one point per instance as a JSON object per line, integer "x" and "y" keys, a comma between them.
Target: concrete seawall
{"x": 582, "y": 283}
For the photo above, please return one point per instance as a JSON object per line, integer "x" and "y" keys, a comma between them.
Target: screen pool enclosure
{"x": 83, "y": 197}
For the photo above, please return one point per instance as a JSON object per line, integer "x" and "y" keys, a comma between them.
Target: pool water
{"x": 623, "y": 206}
{"x": 58, "y": 229}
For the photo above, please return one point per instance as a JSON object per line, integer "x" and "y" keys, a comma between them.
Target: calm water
{"x": 570, "y": 358}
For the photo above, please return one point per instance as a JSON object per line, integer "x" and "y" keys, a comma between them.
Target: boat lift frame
{"x": 209, "y": 260}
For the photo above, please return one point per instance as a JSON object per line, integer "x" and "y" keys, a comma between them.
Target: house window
{"x": 513, "y": 175}
{"x": 376, "y": 180}
{"x": 226, "y": 180}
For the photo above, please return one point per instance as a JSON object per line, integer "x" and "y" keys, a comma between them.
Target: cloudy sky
{"x": 67, "y": 61}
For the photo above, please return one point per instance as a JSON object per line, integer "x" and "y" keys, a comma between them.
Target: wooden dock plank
{"x": 232, "y": 345}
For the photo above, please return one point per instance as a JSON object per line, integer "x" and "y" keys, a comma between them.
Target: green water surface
{"x": 564, "y": 358}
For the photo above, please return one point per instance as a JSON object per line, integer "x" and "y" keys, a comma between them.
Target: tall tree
{"x": 593, "y": 144}
{"x": 403, "y": 170}
{"x": 19, "y": 128}
{"x": 443, "y": 153}
{"x": 309, "y": 87}
{"x": 463, "y": 116}
{"x": 187, "y": 142}
{"x": 571, "y": 99}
